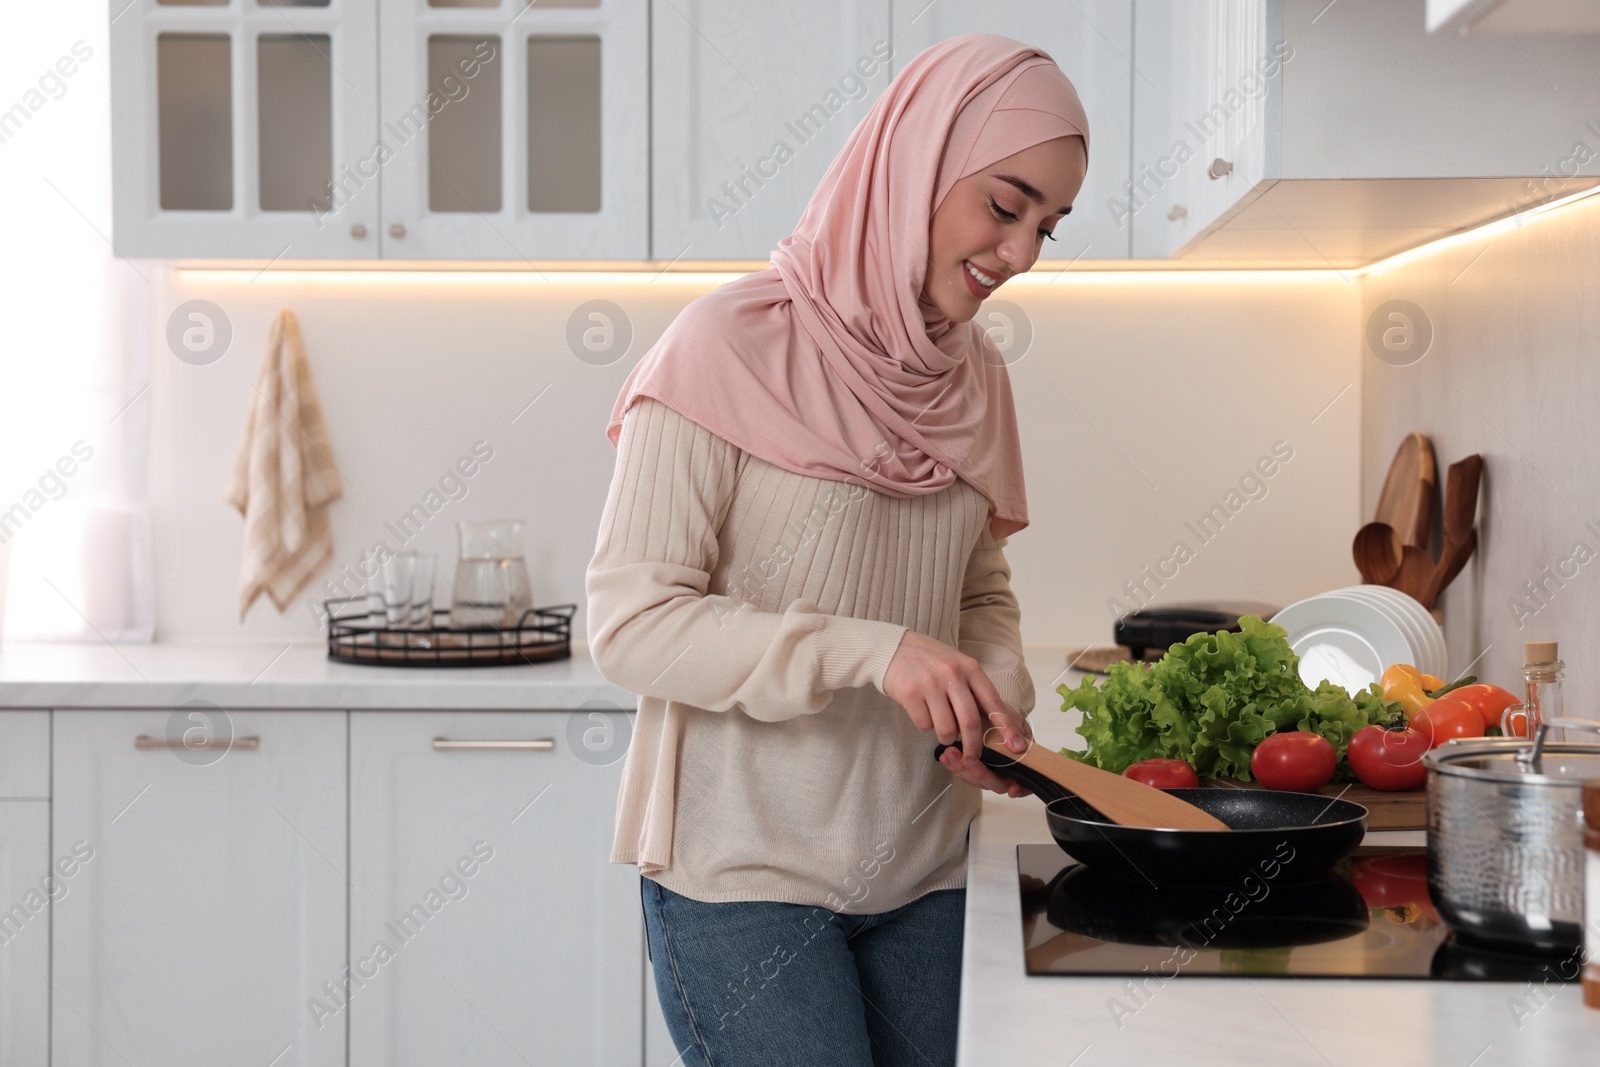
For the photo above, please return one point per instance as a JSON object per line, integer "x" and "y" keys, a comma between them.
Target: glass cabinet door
{"x": 493, "y": 111}
{"x": 246, "y": 129}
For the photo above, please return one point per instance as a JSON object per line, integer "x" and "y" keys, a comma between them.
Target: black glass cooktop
{"x": 1370, "y": 917}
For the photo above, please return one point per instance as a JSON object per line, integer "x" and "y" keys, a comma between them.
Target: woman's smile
{"x": 981, "y": 283}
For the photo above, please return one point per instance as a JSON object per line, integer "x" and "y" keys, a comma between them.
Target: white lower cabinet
{"x": 26, "y": 885}
{"x": 486, "y": 925}
{"x": 212, "y": 907}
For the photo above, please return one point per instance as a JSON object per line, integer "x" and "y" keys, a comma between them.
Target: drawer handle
{"x": 538, "y": 744}
{"x": 147, "y": 742}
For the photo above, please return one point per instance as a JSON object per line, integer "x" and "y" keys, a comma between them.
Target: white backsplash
{"x": 1512, "y": 374}
{"x": 1146, "y": 404}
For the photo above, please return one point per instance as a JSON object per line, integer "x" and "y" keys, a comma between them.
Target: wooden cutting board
{"x": 1407, "y": 810}
{"x": 1406, "y": 503}
{"x": 1097, "y": 659}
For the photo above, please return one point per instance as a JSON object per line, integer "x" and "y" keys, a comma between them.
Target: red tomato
{"x": 1447, "y": 719}
{"x": 1163, "y": 773}
{"x": 1389, "y": 759}
{"x": 1297, "y": 761}
{"x": 1490, "y": 700}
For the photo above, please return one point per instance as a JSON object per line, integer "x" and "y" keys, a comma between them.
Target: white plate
{"x": 1424, "y": 651}
{"x": 1422, "y": 619}
{"x": 1351, "y": 641}
{"x": 1430, "y": 628}
{"x": 1342, "y": 656}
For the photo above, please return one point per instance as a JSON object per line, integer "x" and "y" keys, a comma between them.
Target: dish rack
{"x": 540, "y": 636}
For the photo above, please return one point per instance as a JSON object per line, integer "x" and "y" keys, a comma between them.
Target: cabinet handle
{"x": 538, "y": 744}
{"x": 1176, "y": 212}
{"x": 358, "y": 231}
{"x": 396, "y": 230}
{"x": 1219, "y": 168}
{"x": 147, "y": 742}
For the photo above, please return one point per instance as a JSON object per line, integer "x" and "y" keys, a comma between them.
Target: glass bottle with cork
{"x": 1542, "y": 673}
{"x": 1541, "y": 676}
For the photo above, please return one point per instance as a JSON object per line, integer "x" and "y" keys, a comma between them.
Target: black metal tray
{"x": 540, "y": 636}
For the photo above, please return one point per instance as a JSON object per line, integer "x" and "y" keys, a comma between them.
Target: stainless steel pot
{"x": 1505, "y": 835}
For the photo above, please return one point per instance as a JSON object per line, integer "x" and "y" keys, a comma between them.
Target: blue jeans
{"x": 750, "y": 983}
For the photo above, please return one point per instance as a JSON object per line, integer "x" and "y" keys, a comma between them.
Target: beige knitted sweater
{"x": 754, "y": 611}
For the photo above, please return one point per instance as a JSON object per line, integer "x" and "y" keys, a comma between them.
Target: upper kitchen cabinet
{"x": 1092, "y": 42}
{"x": 1303, "y": 134}
{"x": 237, "y": 127}
{"x": 498, "y": 129}
{"x": 750, "y": 104}
{"x": 516, "y": 130}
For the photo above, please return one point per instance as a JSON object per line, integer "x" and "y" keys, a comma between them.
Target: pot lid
{"x": 1559, "y": 763}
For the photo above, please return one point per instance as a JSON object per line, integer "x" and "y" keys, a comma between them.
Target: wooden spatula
{"x": 1460, "y": 512}
{"x": 1406, "y": 502}
{"x": 1122, "y": 800}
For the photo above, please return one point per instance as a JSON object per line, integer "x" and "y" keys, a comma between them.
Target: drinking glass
{"x": 421, "y": 607}
{"x": 406, "y": 580}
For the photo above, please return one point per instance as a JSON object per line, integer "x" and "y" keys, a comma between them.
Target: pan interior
{"x": 1240, "y": 809}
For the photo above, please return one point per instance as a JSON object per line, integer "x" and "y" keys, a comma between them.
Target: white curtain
{"x": 75, "y": 556}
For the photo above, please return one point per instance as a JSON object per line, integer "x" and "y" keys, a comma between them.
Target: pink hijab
{"x": 828, "y": 363}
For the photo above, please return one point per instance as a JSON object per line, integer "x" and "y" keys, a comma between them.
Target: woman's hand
{"x": 945, "y": 691}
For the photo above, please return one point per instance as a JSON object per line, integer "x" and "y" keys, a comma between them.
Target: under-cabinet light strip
{"x": 639, "y": 279}
{"x": 1487, "y": 231}
{"x": 1039, "y": 277}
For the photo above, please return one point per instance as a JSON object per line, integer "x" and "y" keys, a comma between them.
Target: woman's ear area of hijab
{"x": 996, "y": 221}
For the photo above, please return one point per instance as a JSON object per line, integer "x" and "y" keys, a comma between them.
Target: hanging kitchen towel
{"x": 283, "y": 477}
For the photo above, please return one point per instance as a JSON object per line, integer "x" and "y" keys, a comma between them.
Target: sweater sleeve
{"x": 652, "y": 627}
{"x": 991, "y": 619}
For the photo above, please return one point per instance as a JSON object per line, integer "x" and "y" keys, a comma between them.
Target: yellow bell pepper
{"x": 1405, "y": 683}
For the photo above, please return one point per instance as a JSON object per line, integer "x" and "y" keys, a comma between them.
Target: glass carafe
{"x": 491, "y": 586}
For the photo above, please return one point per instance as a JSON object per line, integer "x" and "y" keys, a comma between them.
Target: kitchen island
{"x": 1009, "y": 1017}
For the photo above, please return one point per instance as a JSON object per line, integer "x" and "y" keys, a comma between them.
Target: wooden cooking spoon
{"x": 1377, "y": 553}
{"x": 1122, "y": 800}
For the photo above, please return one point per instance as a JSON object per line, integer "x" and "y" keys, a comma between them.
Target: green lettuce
{"x": 1210, "y": 700}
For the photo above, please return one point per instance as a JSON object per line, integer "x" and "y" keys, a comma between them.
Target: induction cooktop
{"x": 1370, "y": 917}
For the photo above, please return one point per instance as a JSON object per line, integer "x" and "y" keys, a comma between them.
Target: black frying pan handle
{"x": 1046, "y": 789}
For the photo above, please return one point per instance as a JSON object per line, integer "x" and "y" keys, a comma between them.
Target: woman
{"x": 800, "y": 571}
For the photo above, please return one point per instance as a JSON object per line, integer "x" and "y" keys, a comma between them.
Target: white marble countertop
{"x": 1010, "y": 1018}
{"x": 100, "y": 675}
{"x": 263, "y": 675}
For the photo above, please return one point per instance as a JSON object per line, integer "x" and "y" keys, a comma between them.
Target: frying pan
{"x": 1288, "y": 837}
